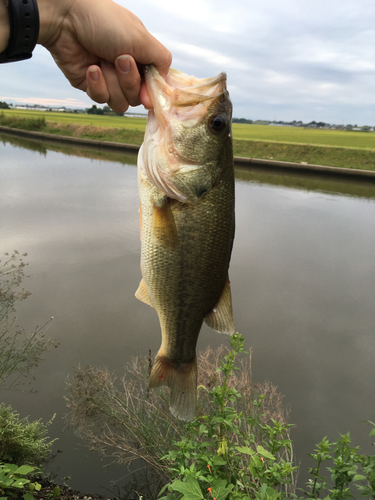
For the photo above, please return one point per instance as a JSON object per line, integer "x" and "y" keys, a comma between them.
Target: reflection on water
{"x": 81, "y": 151}
{"x": 302, "y": 273}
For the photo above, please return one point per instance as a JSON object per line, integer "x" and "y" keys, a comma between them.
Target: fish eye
{"x": 217, "y": 123}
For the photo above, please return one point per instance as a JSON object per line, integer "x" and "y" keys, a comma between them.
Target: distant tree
{"x": 241, "y": 120}
{"x": 94, "y": 110}
{"x": 4, "y": 105}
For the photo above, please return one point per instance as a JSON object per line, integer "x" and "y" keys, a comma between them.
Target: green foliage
{"x": 32, "y": 123}
{"x": 348, "y": 468}
{"x": 125, "y": 421}
{"x": 220, "y": 457}
{"x": 94, "y": 110}
{"x": 21, "y": 441}
{"x": 12, "y": 479}
{"x": 4, "y": 105}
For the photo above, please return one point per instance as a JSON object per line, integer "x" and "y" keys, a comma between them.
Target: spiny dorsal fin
{"x": 163, "y": 228}
{"x": 142, "y": 294}
{"x": 221, "y": 316}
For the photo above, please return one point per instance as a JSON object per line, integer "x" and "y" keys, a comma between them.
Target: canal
{"x": 302, "y": 276}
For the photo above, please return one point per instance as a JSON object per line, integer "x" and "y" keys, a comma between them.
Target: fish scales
{"x": 186, "y": 239}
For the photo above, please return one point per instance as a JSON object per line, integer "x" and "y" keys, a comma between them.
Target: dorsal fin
{"x": 221, "y": 316}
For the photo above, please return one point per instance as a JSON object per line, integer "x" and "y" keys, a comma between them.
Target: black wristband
{"x": 24, "y": 30}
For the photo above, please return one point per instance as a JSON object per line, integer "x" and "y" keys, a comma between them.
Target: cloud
{"x": 69, "y": 101}
{"x": 292, "y": 59}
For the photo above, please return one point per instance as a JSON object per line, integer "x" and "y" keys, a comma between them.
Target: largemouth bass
{"x": 186, "y": 188}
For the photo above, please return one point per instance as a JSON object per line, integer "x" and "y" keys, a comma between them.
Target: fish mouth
{"x": 181, "y": 90}
{"x": 182, "y": 99}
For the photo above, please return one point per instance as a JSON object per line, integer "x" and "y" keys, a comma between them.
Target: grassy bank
{"x": 316, "y": 155}
{"x": 321, "y": 147}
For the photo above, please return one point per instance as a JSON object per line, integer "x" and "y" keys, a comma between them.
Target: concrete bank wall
{"x": 239, "y": 162}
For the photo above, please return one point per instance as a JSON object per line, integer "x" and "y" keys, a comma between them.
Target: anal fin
{"x": 163, "y": 227}
{"x": 220, "y": 318}
{"x": 141, "y": 293}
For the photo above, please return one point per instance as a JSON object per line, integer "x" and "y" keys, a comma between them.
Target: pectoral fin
{"x": 163, "y": 228}
{"x": 221, "y": 316}
{"x": 142, "y": 294}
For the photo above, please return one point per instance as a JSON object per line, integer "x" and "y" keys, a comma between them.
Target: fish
{"x": 186, "y": 190}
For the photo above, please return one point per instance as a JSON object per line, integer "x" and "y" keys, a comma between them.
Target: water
{"x": 302, "y": 274}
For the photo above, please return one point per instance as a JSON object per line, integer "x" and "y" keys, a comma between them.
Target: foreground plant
{"x": 14, "y": 479}
{"x": 125, "y": 421}
{"x": 23, "y": 442}
{"x": 222, "y": 456}
{"x": 348, "y": 469}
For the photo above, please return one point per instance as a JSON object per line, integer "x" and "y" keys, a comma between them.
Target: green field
{"x": 287, "y": 135}
{"x": 321, "y": 147}
{"x": 299, "y": 135}
{"x": 109, "y": 121}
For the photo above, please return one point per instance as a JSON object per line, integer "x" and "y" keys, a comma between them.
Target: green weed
{"x": 220, "y": 457}
{"x": 13, "y": 479}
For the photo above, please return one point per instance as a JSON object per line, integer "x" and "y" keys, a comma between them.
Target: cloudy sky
{"x": 285, "y": 60}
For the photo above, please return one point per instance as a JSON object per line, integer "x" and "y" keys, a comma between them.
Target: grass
{"x": 103, "y": 121}
{"x": 320, "y": 147}
{"x": 307, "y": 136}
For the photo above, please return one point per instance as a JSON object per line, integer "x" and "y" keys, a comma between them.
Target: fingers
{"x": 129, "y": 78}
{"x": 96, "y": 85}
{"x": 145, "y": 98}
{"x": 161, "y": 58}
{"x": 117, "y": 84}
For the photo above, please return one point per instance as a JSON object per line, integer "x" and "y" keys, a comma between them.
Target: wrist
{"x": 52, "y": 14}
{"x": 4, "y": 26}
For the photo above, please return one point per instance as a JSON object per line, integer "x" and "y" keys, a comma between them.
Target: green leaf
{"x": 24, "y": 469}
{"x": 245, "y": 449}
{"x": 28, "y": 496}
{"x": 20, "y": 482}
{"x": 205, "y": 444}
{"x": 253, "y": 470}
{"x": 190, "y": 490}
{"x": 219, "y": 461}
{"x": 372, "y": 432}
{"x": 37, "y": 486}
{"x": 220, "y": 489}
{"x": 10, "y": 468}
{"x": 256, "y": 461}
{"x": 265, "y": 453}
{"x": 359, "y": 477}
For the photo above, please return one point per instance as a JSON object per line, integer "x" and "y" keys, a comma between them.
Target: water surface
{"x": 302, "y": 274}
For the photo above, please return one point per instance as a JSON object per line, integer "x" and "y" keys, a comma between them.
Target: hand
{"x": 97, "y": 44}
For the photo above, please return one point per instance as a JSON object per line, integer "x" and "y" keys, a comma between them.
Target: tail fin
{"x": 182, "y": 382}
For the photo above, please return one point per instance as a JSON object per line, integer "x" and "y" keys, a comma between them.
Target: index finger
{"x": 154, "y": 52}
